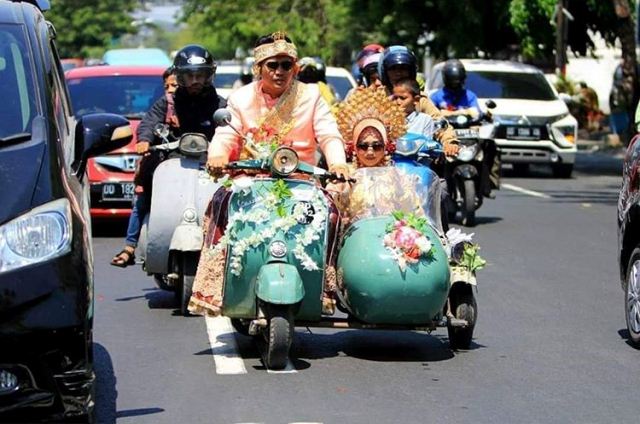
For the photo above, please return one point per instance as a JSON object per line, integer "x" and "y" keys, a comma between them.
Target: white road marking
{"x": 288, "y": 369}
{"x": 525, "y": 191}
{"x": 224, "y": 347}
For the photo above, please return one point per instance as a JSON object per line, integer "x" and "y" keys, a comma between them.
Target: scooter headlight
{"x": 285, "y": 161}
{"x": 468, "y": 152}
{"x": 278, "y": 249}
{"x": 37, "y": 236}
{"x": 193, "y": 144}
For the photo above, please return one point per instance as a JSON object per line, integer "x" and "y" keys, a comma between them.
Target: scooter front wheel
{"x": 463, "y": 306}
{"x": 188, "y": 267}
{"x": 469, "y": 205}
{"x": 278, "y": 336}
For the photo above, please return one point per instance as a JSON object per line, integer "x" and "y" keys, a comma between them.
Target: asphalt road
{"x": 550, "y": 345}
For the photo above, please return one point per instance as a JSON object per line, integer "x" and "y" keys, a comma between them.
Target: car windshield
{"x": 341, "y": 85}
{"x": 509, "y": 85}
{"x": 128, "y": 95}
{"x": 18, "y": 106}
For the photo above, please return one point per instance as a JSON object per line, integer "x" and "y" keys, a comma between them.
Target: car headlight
{"x": 467, "y": 152}
{"x": 37, "y": 236}
{"x": 564, "y": 130}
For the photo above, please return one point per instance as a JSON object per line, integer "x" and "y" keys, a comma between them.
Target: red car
{"x": 126, "y": 90}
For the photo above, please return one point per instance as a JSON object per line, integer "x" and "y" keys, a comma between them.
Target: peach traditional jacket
{"x": 312, "y": 123}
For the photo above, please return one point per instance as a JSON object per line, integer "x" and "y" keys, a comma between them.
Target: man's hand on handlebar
{"x": 216, "y": 164}
{"x": 341, "y": 170}
{"x": 451, "y": 149}
{"x": 142, "y": 147}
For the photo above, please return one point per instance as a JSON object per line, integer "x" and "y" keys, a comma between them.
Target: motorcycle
{"x": 464, "y": 173}
{"x": 278, "y": 241}
{"x": 416, "y": 155}
{"x": 171, "y": 236}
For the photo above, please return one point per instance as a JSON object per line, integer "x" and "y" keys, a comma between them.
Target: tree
{"x": 318, "y": 27}
{"x": 86, "y": 25}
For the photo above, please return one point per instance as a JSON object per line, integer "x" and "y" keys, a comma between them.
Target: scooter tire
{"x": 469, "y": 205}
{"x": 463, "y": 305}
{"x": 278, "y": 336}
{"x": 189, "y": 265}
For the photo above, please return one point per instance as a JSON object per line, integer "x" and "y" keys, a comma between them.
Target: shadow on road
{"x": 603, "y": 197}
{"x": 624, "y": 334}
{"x": 106, "y": 392}
{"x": 109, "y": 228}
{"x": 375, "y": 346}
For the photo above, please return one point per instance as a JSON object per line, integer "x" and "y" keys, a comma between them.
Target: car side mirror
{"x": 490, "y": 104}
{"x": 96, "y": 134}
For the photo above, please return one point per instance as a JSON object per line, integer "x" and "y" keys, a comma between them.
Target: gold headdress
{"x": 370, "y": 107}
{"x": 279, "y": 46}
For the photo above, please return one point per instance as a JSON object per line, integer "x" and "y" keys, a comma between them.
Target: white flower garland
{"x": 261, "y": 214}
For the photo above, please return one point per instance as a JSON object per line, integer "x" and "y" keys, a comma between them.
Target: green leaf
{"x": 471, "y": 259}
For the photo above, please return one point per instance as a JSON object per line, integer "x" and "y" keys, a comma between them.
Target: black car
{"x": 46, "y": 269}
{"x": 629, "y": 238}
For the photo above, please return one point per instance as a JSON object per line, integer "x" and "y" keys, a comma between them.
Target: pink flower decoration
{"x": 405, "y": 237}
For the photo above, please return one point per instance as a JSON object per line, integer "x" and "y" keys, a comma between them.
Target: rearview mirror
{"x": 222, "y": 117}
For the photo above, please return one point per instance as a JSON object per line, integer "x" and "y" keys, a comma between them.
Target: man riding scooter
{"x": 189, "y": 110}
{"x": 455, "y": 99}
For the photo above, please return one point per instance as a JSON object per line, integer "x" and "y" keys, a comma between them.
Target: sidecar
{"x": 379, "y": 288}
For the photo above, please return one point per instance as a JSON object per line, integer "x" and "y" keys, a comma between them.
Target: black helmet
{"x": 193, "y": 58}
{"x": 312, "y": 70}
{"x": 397, "y": 55}
{"x": 453, "y": 74}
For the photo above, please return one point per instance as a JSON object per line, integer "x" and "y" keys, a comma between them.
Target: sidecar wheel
{"x": 463, "y": 306}
{"x": 469, "y": 206}
{"x": 632, "y": 298}
{"x": 187, "y": 272}
{"x": 278, "y": 336}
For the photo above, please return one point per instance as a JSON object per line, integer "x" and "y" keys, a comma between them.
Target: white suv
{"x": 533, "y": 124}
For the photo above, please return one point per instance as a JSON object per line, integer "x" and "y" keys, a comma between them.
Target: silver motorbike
{"x": 171, "y": 237}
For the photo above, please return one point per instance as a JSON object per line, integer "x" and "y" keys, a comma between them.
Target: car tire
{"x": 562, "y": 170}
{"x": 632, "y": 297}
{"x": 520, "y": 169}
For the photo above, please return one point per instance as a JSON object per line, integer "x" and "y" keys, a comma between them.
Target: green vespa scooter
{"x": 276, "y": 242}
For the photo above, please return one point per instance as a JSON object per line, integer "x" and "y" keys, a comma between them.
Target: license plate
{"x": 467, "y": 133}
{"x": 118, "y": 191}
{"x": 523, "y": 133}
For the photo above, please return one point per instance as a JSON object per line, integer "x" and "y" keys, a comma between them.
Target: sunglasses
{"x": 285, "y": 65}
{"x": 376, "y": 146}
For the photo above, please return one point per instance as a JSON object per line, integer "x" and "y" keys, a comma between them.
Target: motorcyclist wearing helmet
{"x": 189, "y": 109}
{"x": 313, "y": 71}
{"x": 369, "y": 70}
{"x": 366, "y": 51}
{"x": 453, "y": 98}
{"x": 398, "y": 63}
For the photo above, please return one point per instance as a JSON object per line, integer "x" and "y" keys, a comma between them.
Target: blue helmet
{"x": 397, "y": 55}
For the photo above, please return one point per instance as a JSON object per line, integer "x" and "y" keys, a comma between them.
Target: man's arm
{"x": 156, "y": 115}
{"x": 445, "y": 136}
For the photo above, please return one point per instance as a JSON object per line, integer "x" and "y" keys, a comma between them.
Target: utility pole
{"x": 561, "y": 38}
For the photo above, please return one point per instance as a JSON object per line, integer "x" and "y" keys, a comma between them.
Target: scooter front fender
{"x": 187, "y": 238}
{"x": 466, "y": 171}
{"x": 279, "y": 283}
